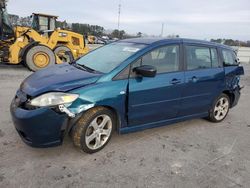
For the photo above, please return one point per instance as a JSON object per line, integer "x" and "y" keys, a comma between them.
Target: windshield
{"x": 108, "y": 57}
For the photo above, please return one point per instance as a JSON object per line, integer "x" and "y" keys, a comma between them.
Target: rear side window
{"x": 199, "y": 57}
{"x": 229, "y": 57}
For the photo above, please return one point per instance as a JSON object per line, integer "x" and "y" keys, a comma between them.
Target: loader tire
{"x": 64, "y": 53}
{"x": 39, "y": 57}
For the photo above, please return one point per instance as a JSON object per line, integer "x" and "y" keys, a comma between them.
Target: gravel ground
{"x": 194, "y": 153}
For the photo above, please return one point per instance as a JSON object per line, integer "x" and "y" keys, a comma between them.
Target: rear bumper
{"x": 40, "y": 127}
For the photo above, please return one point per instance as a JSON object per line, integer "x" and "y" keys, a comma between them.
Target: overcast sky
{"x": 189, "y": 18}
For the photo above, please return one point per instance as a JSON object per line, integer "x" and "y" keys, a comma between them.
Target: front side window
{"x": 164, "y": 59}
{"x": 199, "y": 57}
{"x": 229, "y": 58}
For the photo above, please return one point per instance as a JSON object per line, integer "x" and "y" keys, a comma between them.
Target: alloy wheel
{"x": 221, "y": 108}
{"x": 98, "y": 132}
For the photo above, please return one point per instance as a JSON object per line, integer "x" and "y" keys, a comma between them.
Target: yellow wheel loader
{"x": 40, "y": 45}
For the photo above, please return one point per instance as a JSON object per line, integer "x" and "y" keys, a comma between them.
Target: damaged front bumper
{"x": 44, "y": 126}
{"x": 41, "y": 127}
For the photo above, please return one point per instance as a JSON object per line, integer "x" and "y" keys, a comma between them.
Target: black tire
{"x": 44, "y": 52}
{"x": 64, "y": 53}
{"x": 217, "y": 109}
{"x": 82, "y": 128}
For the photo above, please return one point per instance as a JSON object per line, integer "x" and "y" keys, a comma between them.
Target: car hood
{"x": 63, "y": 77}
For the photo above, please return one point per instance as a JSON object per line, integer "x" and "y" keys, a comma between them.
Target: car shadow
{"x": 118, "y": 142}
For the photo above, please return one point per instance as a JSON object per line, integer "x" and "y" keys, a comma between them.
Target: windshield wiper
{"x": 78, "y": 66}
{"x": 87, "y": 68}
{"x": 83, "y": 67}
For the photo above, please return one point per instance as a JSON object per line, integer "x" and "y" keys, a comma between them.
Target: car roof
{"x": 153, "y": 40}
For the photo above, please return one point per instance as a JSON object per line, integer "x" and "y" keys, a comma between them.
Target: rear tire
{"x": 39, "y": 57}
{"x": 220, "y": 109}
{"x": 64, "y": 53}
{"x": 94, "y": 129}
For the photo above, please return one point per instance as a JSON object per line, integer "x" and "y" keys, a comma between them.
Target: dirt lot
{"x": 194, "y": 153}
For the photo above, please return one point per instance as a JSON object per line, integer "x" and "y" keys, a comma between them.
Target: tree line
{"x": 96, "y": 30}
{"x": 231, "y": 42}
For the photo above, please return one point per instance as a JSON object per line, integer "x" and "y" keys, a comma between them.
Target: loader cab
{"x": 6, "y": 29}
{"x": 43, "y": 23}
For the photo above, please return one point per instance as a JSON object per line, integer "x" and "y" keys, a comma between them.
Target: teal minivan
{"x": 127, "y": 86}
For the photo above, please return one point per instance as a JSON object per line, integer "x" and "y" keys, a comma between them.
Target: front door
{"x": 156, "y": 99}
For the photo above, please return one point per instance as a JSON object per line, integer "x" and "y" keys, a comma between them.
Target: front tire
{"x": 94, "y": 129}
{"x": 39, "y": 57}
{"x": 220, "y": 109}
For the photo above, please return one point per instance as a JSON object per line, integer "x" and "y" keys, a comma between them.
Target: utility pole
{"x": 162, "y": 29}
{"x": 119, "y": 15}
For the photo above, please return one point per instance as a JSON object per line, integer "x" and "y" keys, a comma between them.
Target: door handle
{"x": 175, "y": 81}
{"x": 193, "y": 79}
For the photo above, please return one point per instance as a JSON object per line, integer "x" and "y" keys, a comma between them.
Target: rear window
{"x": 229, "y": 57}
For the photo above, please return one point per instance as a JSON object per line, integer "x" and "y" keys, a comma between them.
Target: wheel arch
{"x": 71, "y": 124}
{"x": 117, "y": 116}
{"x": 230, "y": 95}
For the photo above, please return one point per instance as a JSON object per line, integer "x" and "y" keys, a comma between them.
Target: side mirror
{"x": 145, "y": 70}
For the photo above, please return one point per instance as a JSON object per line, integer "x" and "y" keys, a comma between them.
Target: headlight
{"x": 53, "y": 99}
